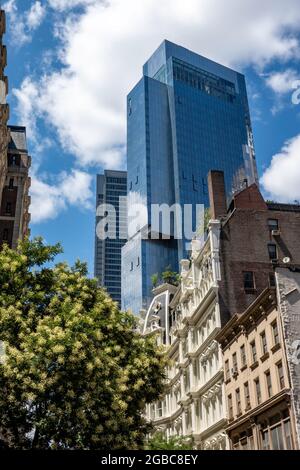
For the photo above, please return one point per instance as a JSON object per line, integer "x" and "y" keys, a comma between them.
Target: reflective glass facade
{"x": 186, "y": 116}
{"x": 110, "y": 186}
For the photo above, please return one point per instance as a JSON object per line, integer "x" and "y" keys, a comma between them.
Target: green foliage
{"x": 170, "y": 277}
{"x": 75, "y": 374}
{"x": 159, "y": 442}
{"x": 154, "y": 279}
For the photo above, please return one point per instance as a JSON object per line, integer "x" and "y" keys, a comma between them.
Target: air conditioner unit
{"x": 234, "y": 371}
{"x": 275, "y": 233}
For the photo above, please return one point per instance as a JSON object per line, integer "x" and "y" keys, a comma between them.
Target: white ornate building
{"x": 187, "y": 320}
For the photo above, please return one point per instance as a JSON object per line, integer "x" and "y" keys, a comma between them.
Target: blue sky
{"x": 72, "y": 62}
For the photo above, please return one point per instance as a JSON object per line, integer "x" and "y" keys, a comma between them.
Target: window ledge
{"x": 276, "y": 347}
{"x": 254, "y": 365}
{"x": 264, "y": 357}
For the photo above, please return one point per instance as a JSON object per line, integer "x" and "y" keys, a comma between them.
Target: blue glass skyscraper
{"x": 186, "y": 116}
{"x": 111, "y": 186}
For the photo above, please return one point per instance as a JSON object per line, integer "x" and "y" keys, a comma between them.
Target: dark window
{"x": 238, "y": 401}
{"x": 230, "y": 407}
{"x": 249, "y": 280}
{"x": 234, "y": 361}
{"x": 131, "y": 266}
{"x": 227, "y": 370}
{"x": 280, "y": 375}
{"x": 14, "y": 160}
{"x": 253, "y": 351}
{"x": 264, "y": 345}
{"x": 269, "y": 383}
{"x": 8, "y": 208}
{"x": 272, "y": 249}
{"x": 247, "y": 395}
{"x": 5, "y": 235}
{"x": 275, "y": 332}
{"x": 272, "y": 280}
{"x": 257, "y": 390}
{"x": 11, "y": 183}
{"x": 273, "y": 224}
{"x": 138, "y": 261}
{"x": 243, "y": 356}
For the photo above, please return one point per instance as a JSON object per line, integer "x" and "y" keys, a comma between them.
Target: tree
{"x": 170, "y": 277}
{"x": 159, "y": 442}
{"x": 76, "y": 374}
{"x": 154, "y": 279}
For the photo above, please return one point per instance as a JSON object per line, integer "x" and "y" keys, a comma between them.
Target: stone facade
{"x": 257, "y": 384}
{"x": 187, "y": 322}
{"x": 14, "y": 210}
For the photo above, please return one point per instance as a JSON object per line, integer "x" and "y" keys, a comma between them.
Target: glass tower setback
{"x": 110, "y": 187}
{"x": 188, "y": 115}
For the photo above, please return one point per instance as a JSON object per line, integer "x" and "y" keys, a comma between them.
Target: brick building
{"x": 4, "y": 109}
{"x": 256, "y": 238}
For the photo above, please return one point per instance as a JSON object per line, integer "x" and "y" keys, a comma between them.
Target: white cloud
{"x": 23, "y": 24}
{"x": 103, "y": 50}
{"x": 16, "y": 24}
{"x": 26, "y": 96}
{"x": 283, "y": 82}
{"x": 48, "y": 201}
{"x": 35, "y": 15}
{"x": 68, "y": 4}
{"x": 281, "y": 179}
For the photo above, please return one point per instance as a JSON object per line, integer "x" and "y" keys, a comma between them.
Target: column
{"x": 193, "y": 409}
{"x": 191, "y": 372}
{"x": 183, "y": 422}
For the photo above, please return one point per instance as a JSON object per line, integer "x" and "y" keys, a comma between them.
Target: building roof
{"x": 18, "y": 138}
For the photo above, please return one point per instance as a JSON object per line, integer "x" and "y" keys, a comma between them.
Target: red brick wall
{"x": 244, "y": 247}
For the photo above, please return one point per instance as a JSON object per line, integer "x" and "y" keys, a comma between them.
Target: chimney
{"x": 217, "y": 194}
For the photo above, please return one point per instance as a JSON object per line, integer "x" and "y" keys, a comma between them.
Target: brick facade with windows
{"x": 251, "y": 248}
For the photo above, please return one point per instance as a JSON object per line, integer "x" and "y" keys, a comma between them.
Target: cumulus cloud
{"x": 62, "y": 5}
{"x": 23, "y": 24}
{"x": 48, "y": 201}
{"x": 283, "y": 82}
{"x": 104, "y": 47}
{"x": 35, "y": 15}
{"x": 281, "y": 179}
